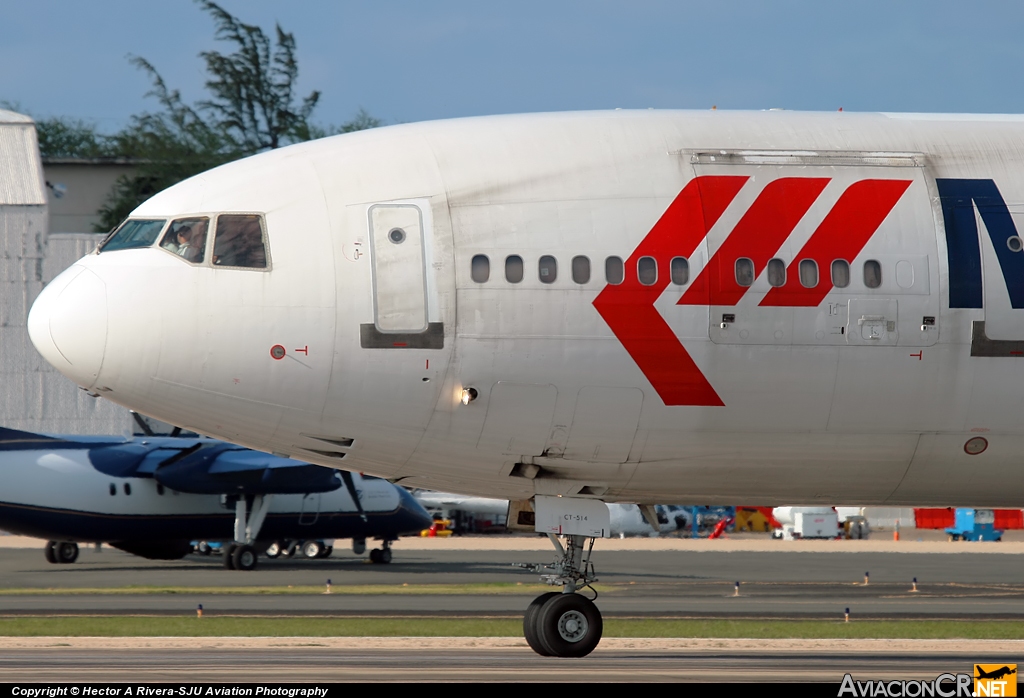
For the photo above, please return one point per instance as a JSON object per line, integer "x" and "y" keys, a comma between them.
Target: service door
{"x": 985, "y": 254}
{"x": 399, "y": 273}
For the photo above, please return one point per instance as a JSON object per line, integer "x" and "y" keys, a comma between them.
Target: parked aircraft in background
{"x": 571, "y": 309}
{"x": 625, "y": 519}
{"x": 152, "y": 496}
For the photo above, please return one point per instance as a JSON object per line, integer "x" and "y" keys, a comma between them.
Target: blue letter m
{"x": 963, "y": 246}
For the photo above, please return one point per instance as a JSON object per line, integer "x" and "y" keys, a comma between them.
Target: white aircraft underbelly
{"x": 826, "y": 342}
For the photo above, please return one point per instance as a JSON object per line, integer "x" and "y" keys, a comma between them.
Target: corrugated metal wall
{"x": 21, "y": 170}
{"x": 33, "y": 396}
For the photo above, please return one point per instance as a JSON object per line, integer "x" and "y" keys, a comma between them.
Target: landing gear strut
{"x": 565, "y": 624}
{"x": 241, "y": 554}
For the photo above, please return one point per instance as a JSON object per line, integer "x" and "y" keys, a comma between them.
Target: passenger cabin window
{"x": 547, "y": 268}
{"x": 840, "y": 273}
{"x": 480, "y": 269}
{"x": 133, "y": 234}
{"x": 513, "y": 269}
{"x": 776, "y": 272}
{"x": 239, "y": 242}
{"x": 127, "y": 488}
{"x": 647, "y": 271}
{"x": 159, "y": 488}
{"x": 580, "y": 269}
{"x": 186, "y": 237}
{"x": 872, "y": 274}
{"x": 113, "y": 489}
{"x": 680, "y": 268}
{"x": 744, "y": 271}
{"x": 614, "y": 270}
{"x": 808, "y": 273}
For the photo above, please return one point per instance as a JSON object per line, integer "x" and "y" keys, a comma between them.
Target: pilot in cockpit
{"x": 187, "y": 239}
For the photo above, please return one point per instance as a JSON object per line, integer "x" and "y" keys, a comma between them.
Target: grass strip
{"x": 495, "y": 588}
{"x": 240, "y": 626}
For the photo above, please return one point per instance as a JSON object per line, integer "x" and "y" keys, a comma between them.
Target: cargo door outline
{"x": 310, "y": 511}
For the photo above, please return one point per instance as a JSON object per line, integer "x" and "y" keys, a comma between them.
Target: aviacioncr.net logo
{"x": 942, "y": 686}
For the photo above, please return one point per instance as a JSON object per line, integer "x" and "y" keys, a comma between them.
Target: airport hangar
{"x": 35, "y": 397}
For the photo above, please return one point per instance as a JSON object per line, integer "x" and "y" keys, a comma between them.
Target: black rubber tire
{"x": 530, "y": 624}
{"x": 66, "y": 552}
{"x": 326, "y": 552}
{"x": 274, "y": 549}
{"x": 385, "y": 556}
{"x": 50, "y": 552}
{"x": 244, "y": 558}
{"x": 311, "y": 549}
{"x": 375, "y": 556}
{"x": 572, "y": 609}
{"x": 229, "y": 556}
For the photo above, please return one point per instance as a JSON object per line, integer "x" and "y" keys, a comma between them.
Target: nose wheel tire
{"x": 530, "y": 623}
{"x": 229, "y": 557}
{"x": 565, "y": 625}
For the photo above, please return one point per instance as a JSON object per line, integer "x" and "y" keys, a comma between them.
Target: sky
{"x": 409, "y": 60}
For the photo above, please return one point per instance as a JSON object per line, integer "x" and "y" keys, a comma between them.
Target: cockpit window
{"x": 186, "y": 237}
{"x": 133, "y": 234}
{"x": 239, "y": 242}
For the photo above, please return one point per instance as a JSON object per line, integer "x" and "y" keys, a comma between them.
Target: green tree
{"x": 252, "y": 107}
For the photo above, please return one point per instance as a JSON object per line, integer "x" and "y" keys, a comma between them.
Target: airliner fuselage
{"x": 690, "y": 307}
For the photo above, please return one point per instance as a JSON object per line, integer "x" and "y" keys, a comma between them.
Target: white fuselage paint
{"x": 809, "y": 415}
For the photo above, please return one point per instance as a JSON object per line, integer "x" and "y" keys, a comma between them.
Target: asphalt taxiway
{"x": 681, "y": 583}
{"x": 693, "y": 579}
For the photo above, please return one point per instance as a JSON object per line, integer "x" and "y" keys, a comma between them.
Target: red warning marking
{"x": 629, "y": 310}
{"x": 841, "y": 235}
{"x": 304, "y": 350}
{"x": 919, "y": 354}
{"x": 428, "y": 363}
{"x": 399, "y": 344}
{"x": 1017, "y": 353}
{"x": 758, "y": 236}
{"x": 277, "y": 352}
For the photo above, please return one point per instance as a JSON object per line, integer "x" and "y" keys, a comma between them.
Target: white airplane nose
{"x": 68, "y": 324}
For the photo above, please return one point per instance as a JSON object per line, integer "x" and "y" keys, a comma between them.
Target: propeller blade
{"x": 350, "y": 484}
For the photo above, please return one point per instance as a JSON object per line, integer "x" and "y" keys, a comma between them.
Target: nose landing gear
{"x": 565, "y": 624}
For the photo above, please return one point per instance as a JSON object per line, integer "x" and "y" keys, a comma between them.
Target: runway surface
{"x": 462, "y": 659}
{"x": 777, "y": 582}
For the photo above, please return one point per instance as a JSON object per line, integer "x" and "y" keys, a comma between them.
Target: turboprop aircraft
{"x": 153, "y": 495}
{"x": 571, "y": 309}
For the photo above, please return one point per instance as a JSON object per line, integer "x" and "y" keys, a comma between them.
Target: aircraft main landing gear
{"x": 60, "y": 553}
{"x": 250, "y": 513}
{"x": 381, "y": 555}
{"x": 565, "y": 624}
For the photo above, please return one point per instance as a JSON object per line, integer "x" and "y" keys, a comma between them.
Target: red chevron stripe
{"x": 758, "y": 236}
{"x": 842, "y": 235}
{"x": 629, "y": 310}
